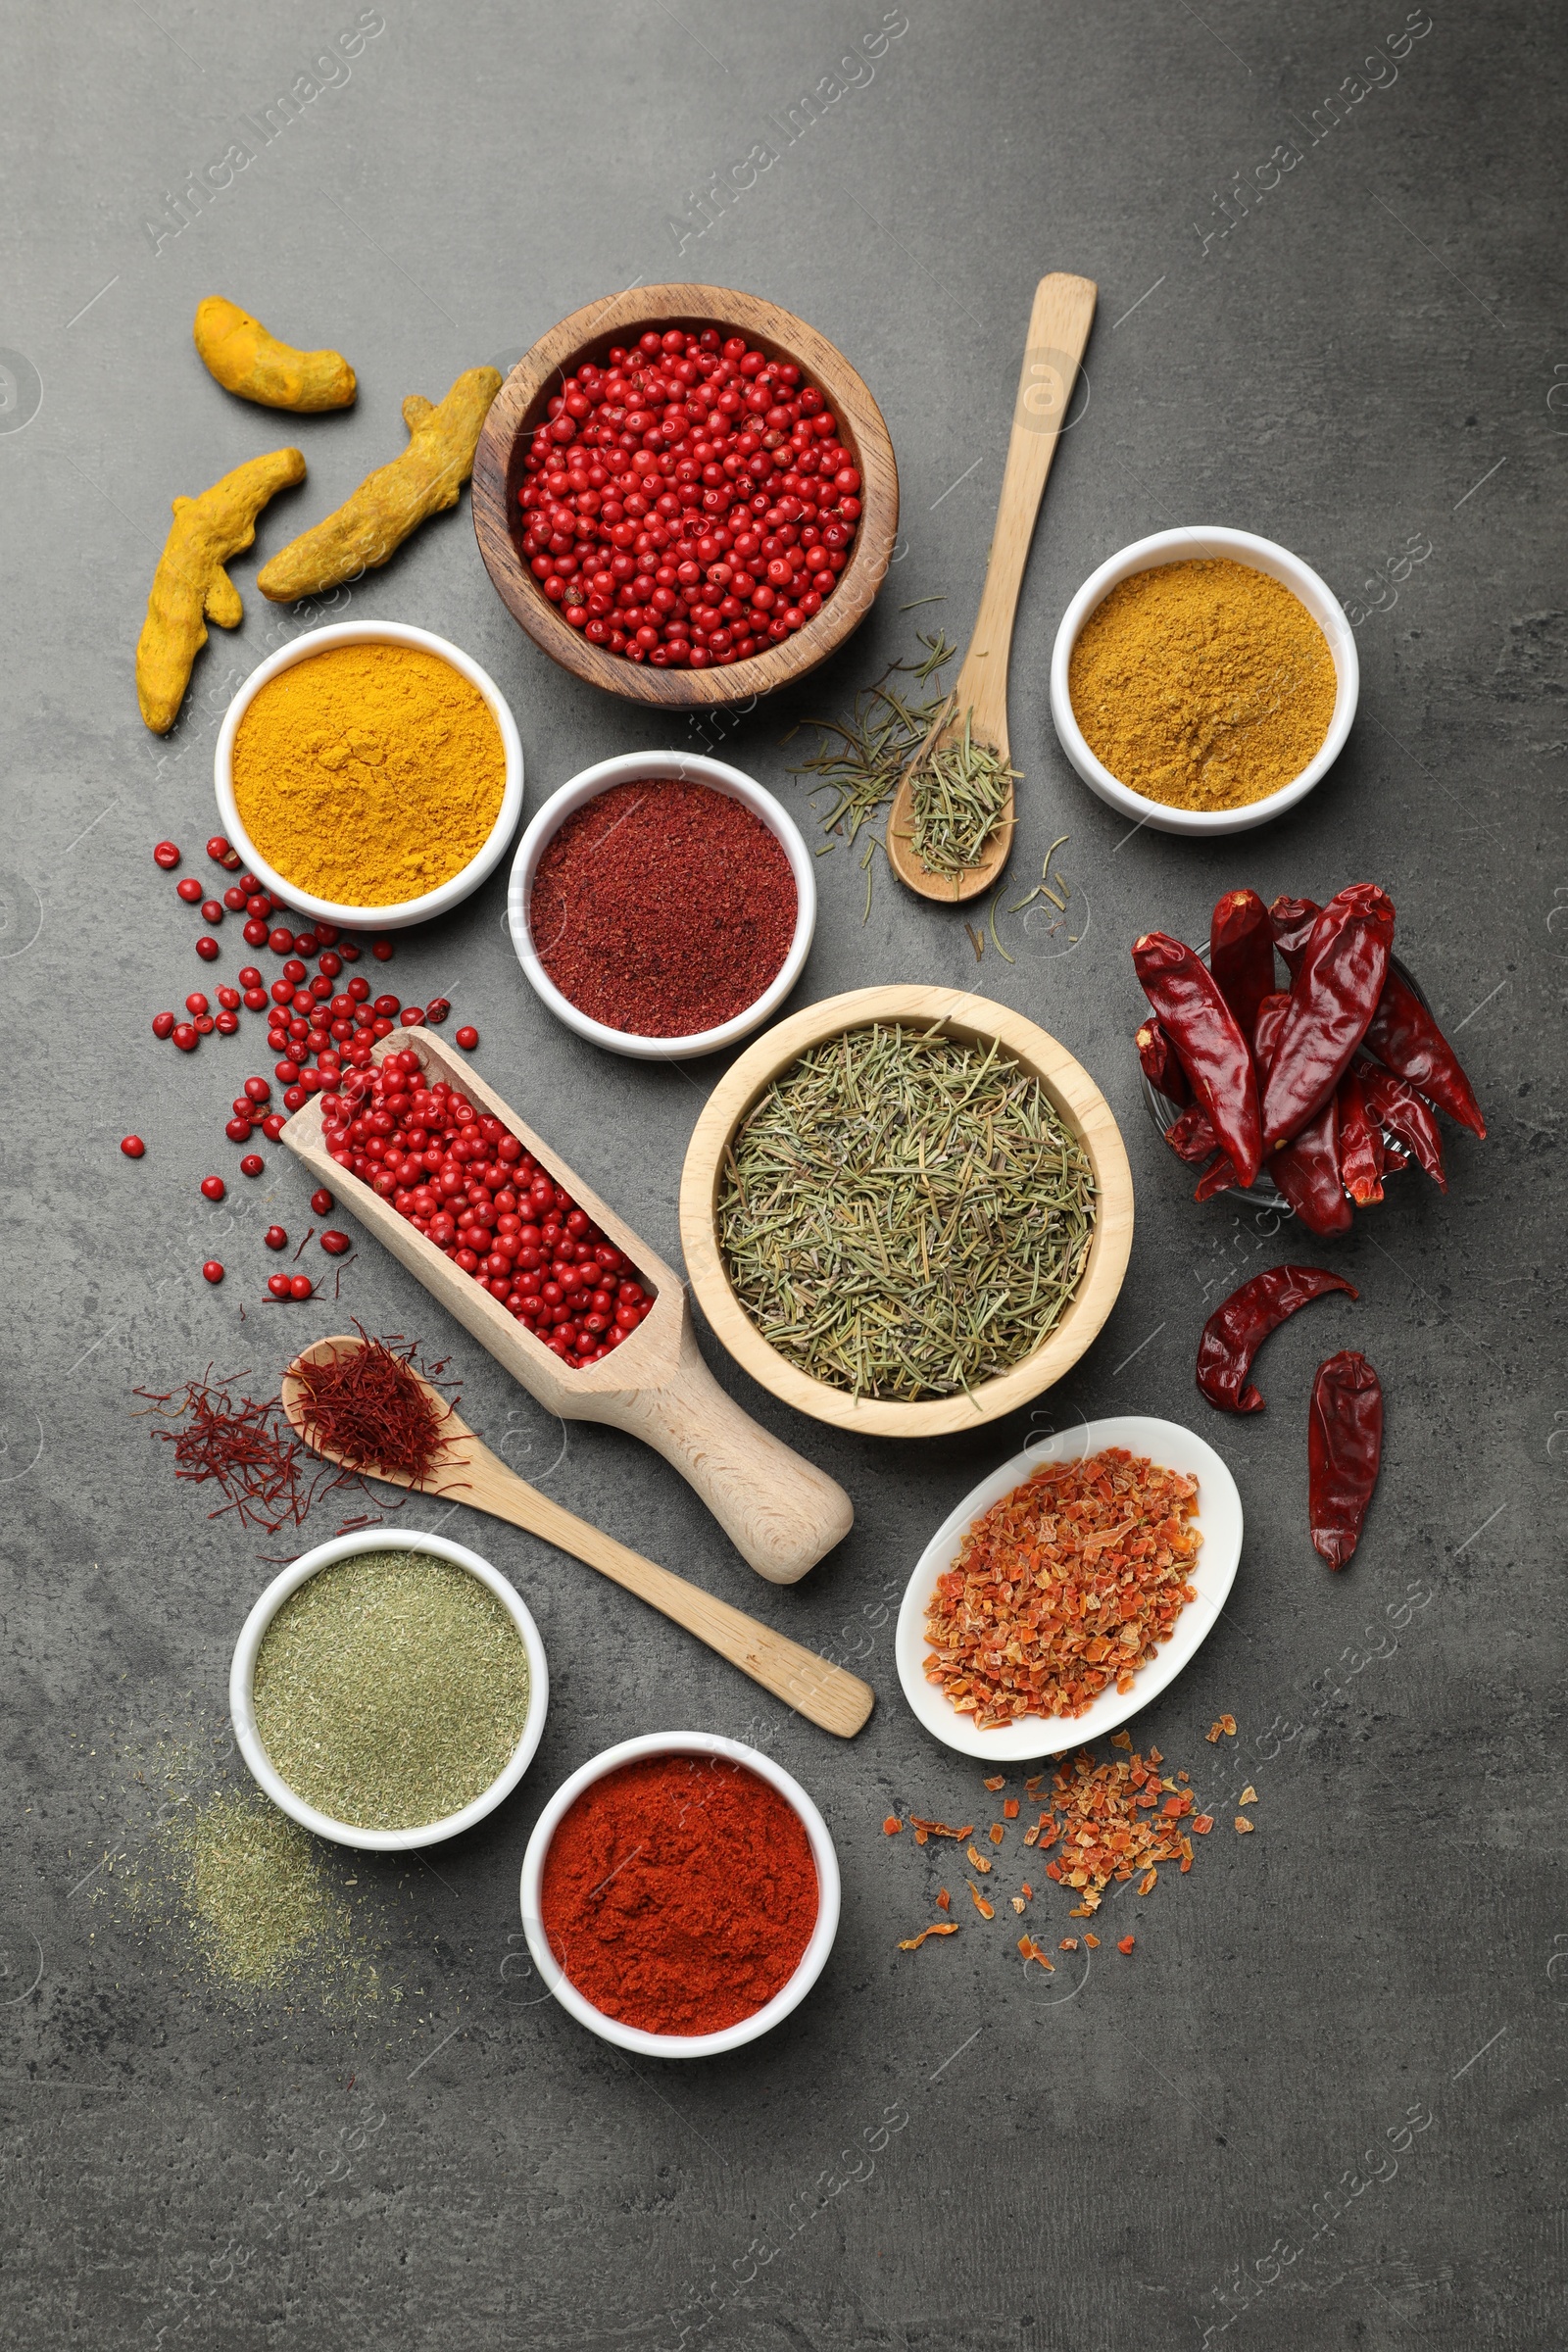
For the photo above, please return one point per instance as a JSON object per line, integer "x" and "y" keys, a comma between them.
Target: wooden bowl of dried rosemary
{"x": 906, "y": 1211}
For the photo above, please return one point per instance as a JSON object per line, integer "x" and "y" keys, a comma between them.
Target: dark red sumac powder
{"x": 679, "y": 1893}
{"x": 662, "y": 908}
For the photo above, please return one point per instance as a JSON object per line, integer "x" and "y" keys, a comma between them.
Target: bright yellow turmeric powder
{"x": 369, "y": 774}
{"x": 1202, "y": 684}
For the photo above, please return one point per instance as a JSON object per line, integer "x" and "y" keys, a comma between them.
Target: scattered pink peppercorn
{"x": 213, "y": 1270}
{"x": 167, "y": 854}
{"x": 334, "y": 1243}
{"x": 132, "y": 1147}
{"x": 277, "y": 1284}
{"x": 321, "y": 1201}
{"x": 275, "y": 1238}
{"x": 299, "y": 1286}
{"x": 213, "y": 1188}
{"x": 190, "y": 890}
{"x": 381, "y": 950}
{"x": 207, "y": 948}
{"x": 252, "y": 1165}
{"x": 467, "y": 1038}
{"x": 164, "y": 1024}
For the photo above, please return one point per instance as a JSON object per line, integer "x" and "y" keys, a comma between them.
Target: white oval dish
{"x": 1181, "y": 546}
{"x": 242, "y": 1704}
{"x": 812, "y": 1960}
{"x": 1219, "y": 1518}
{"x": 686, "y": 768}
{"x": 450, "y": 893}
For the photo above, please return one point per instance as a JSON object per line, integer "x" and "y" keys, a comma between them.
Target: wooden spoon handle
{"x": 779, "y": 1512}
{"x": 822, "y": 1692}
{"x": 1058, "y": 332}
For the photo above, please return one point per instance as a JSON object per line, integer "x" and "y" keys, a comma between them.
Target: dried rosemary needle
{"x": 859, "y": 760}
{"x": 958, "y": 798}
{"x": 905, "y": 1215}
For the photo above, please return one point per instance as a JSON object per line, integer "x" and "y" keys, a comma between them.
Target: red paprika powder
{"x": 679, "y": 1893}
{"x": 662, "y": 908}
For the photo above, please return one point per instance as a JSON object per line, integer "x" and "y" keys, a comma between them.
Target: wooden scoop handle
{"x": 823, "y": 1694}
{"x": 779, "y": 1512}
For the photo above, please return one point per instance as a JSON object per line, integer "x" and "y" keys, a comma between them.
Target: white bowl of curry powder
{"x": 369, "y": 774}
{"x": 1203, "y": 681}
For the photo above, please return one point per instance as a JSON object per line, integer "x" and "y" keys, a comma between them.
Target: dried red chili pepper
{"x": 1220, "y": 1178}
{"x": 1307, "y": 1169}
{"x": 1344, "y": 1450}
{"x": 1403, "y": 1112}
{"x": 1291, "y": 921}
{"x": 1191, "y": 1136}
{"x": 1360, "y": 1144}
{"x": 1161, "y": 1067}
{"x": 1234, "y": 1331}
{"x": 1332, "y": 998}
{"x": 1241, "y": 953}
{"x": 1212, "y": 1051}
{"x": 1406, "y": 1039}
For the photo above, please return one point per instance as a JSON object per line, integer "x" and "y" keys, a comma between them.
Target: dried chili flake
{"x": 940, "y": 1829}
{"x": 1155, "y": 1756}
{"x": 1018, "y": 1902}
{"x": 985, "y": 1909}
{"x": 1031, "y": 1836}
{"x": 1000, "y": 1782}
{"x": 1009, "y": 1810}
{"x": 977, "y": 1863}
{"x": 998, "y": 1832}
{"x": 1212, "y": 1733}
{"x": 1035, "y": 1785}
{"x": 1227, "y": 1724}
{"x": 1032, "y": 1951}
{"x": 1248, "y": 1795}
{"x": 1121, "y": 1738}
{"x": 942, "y": 1928}
{"x": 1063, "y": 1588}
{"x": 1126, "y": 1944}
{"x": 1184, "y": 1775}
{"x": 944, "y": 1898}
{"x": 1027, "y": 1891}
{"x": 1093, "y": 1942}
{"x": 1244, "y": 1827}
{"x": 1203, "y": 1822}
{"x": 1145, "y": 1884}
{"x": 891, "y": 1826}
{"x": 1068, "y": 1944}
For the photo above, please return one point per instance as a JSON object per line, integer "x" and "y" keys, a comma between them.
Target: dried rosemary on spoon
{"x": 903, "y": 1214}
{"x": 958, "y": 798}
{"x": 873, "y": 747}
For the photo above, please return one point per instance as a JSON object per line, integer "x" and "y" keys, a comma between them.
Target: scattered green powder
{"x": 259, "y": 1903}
{"x": 391, "y": 1689}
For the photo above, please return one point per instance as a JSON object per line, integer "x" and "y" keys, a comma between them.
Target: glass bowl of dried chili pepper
{"x": 1170, "y": 657}
{"x": 384, "y": 1671}
{"x": 722, "y": 439}
{"x": 1129, "y": 1516}
{"x": 681, "y": 1894}
{"x": 663, "y": 904}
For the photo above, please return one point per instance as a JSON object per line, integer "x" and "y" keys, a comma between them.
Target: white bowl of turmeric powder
{"x": 1203, "y": 681}
{"x": 370, "y": 774}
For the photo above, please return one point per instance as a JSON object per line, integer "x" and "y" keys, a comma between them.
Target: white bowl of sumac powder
{"x": 663, "y": 904}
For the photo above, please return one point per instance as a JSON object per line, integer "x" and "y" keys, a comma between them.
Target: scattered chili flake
{"x": 1155, "y": 1756}
{"x": 988, "y": 1910}
{"x": 942, "y": 1928}
{"x": 1244, "y": 1827}
{"x": 1009, "y": 1810}
{"x": 1248, "y": 1795}
{"x": 944, "y": 1898}
{"x": 920, "y": 1837}
{"x": 981, "y": 1867}
{"x": 1032, "y": 1951}
{"x": 1062, "y": 1588}
{"x": 1031, "y": 1836}
{"x": 1000, "y": 1782}
{"x": 1093, "y": 1942}
{"x": 1184, "y": 1775}
{"x": 1035, "y": 1785}
{"x": 1126, "y": 1944}
{"x": 1227, "y": 1724}
{"x": 1203, "y": 1822}
{"x": 1212, "y": 1733}
{"x": 940, "y": 1829}
{"x": 1068, "y": 1944}
{"x": 1121, "y": 1738}
{"x": 1018, "y": 1902}
{"x": 998, "y": 1832}
{"x": 1145, "y": 1884}
{"x": 1027, "y": 1891}
{"x": 891, "y": 1826}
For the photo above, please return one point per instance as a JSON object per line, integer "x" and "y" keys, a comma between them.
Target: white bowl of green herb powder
{"x": 389, "y": 1691}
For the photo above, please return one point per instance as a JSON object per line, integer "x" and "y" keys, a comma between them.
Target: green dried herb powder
{"x": 258, "y": 1901}
{"x": 905, "y": 1215}
{"x": 391, "y": 1689}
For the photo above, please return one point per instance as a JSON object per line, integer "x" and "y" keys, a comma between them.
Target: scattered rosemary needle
{"x": 903, "y": 1214}
{"x": 958, "y": 796}
{"x": 873, "y": 747}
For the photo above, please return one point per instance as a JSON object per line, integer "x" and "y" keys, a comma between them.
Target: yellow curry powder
{"x": 1202, "y": 684}
{"x": 369, "y": 774}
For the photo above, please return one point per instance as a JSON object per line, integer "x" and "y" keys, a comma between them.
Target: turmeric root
{"x": 395, "y": 500}
{"x": 190, "y": 586}
{"x": 244, "y": 357}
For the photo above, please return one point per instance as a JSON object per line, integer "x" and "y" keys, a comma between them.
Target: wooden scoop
{"x": 1058, "y": 332}
{"x": 779, "y": 1512}
{"x": 467, "y": 1471}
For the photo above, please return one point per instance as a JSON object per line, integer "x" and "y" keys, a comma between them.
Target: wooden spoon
{"x": 1058, "y": 332}
{"x": 780, "y": 1512}
{"x": 467, "y": 1471}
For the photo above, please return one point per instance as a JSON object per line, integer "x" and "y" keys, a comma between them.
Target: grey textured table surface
{"x": 1319, "y": 2104}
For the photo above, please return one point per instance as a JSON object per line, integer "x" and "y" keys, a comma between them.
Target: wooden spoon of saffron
{"x": 971, "y": 729}
{"x": 462, "y": 1469}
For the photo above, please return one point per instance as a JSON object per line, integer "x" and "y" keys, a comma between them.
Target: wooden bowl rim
{"x": 1076, "y": 1096}
{"x": 849, "y": 395}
